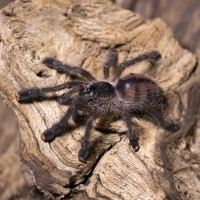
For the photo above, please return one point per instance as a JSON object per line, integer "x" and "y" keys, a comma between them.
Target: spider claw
{"x": 50, "y": 134}
{"x": 135, "y": 145}
{"x": 83, "y": 155}
{"x": 17, "y": 96}
{"x": 172, "y": 127}
{"x": 43, "y": 137}
{"x": 84, "y": 151}
{"x": 28, "y": 95}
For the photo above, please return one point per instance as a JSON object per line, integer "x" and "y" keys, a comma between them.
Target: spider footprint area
{"x": 124, "y": 97}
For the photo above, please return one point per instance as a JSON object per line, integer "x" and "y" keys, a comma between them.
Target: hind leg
{"x": 132, "y": 139}
{"x": 158, "y": 119}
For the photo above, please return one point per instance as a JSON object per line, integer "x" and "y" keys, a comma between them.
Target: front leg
{"x": 28, "y": 95}
{"x": 67, "y": 69}
{"x": 57, "y": 129}
{"x": 133, "y": 141}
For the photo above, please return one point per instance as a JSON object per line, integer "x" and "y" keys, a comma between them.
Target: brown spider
{"x": 88, "y": 99}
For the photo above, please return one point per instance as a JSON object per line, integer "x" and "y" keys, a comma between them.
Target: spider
{"x": 132, "y": 95}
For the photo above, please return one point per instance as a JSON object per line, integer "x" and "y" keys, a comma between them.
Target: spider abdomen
{"x": 139, "y": 89}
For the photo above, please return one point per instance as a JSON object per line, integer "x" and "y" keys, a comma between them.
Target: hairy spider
{"x": 88, "y": 98}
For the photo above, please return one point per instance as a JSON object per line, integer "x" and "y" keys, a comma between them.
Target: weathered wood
{"x": 81, "y": 34}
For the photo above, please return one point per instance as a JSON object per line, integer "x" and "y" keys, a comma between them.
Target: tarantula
{"x": 88, "y": 98}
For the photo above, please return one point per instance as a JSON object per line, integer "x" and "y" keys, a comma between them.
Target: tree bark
{"x": 81, "y": 34}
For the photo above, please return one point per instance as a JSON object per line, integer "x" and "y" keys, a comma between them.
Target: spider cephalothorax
{"x": 89, "y": 99}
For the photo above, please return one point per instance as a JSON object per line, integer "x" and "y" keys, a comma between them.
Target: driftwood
{"x": 81, "y": 34}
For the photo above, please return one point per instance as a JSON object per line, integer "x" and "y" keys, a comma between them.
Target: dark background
{"x": 184, "y": 19}
{"x": 183, "y": 16}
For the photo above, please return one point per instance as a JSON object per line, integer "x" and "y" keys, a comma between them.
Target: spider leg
{"x": 27, "y": 95}
{"x": 57, "y": 129}
{"x": 111, "y": 61}
{"x": 133, "y": 141}
{"x": 158, "y": 119}
{"x": 67, "y": 98}
{"x": 85, "y": 146}
{"x": 78, "y": 117}
{"x": 151, "y": 57}
{"x": 67, "y": 69}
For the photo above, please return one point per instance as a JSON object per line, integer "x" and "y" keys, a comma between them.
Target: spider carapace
{"x": 134, "y": 95}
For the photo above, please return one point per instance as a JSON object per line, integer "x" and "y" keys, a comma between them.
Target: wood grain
{"x": 81, "y": 34}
